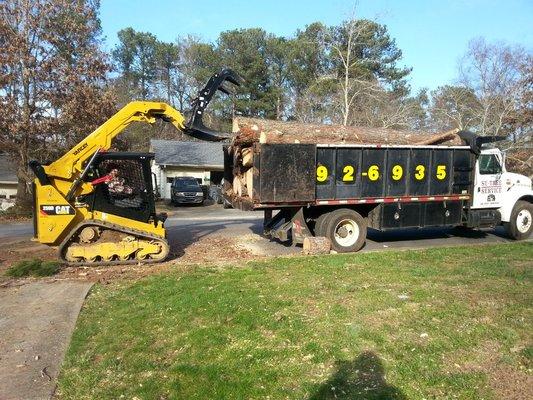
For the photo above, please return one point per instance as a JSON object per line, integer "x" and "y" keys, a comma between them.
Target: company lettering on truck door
{"x": 488, "y": 187}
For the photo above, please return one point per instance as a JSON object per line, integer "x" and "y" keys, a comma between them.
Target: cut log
{"x": 247, "y": 157}
{"x": 249, "y": 177}
{"x": 440, "y": 138}
{"x": 252, "y": 130}
{"x": 238, "y": 186}
{"x": 316, "y": 245}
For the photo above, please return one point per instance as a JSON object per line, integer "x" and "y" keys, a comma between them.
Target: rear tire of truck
{"x": 320, "y": 225}
{"x": 520, "y": 225}
{"x": 346, "y": 229}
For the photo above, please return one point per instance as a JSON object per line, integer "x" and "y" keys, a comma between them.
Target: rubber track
{"x": 116, "y": 228}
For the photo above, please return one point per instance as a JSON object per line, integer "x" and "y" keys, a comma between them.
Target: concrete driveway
{"x": 36, "y": 323}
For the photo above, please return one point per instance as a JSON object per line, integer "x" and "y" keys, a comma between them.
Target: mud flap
{"x": 286, "y": 220}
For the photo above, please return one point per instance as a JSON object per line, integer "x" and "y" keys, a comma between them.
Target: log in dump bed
{"x": 278, "y": 166}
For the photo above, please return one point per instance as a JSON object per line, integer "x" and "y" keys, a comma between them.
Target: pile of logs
{"x": 248, "y": 131}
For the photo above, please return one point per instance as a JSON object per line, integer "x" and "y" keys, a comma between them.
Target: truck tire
{"x": 320, "y": 225}
{"x": 520, "y": 225}
{"x": 346, "y": 229}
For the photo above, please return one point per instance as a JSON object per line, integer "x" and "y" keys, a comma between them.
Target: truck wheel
{"x": 520, "y": 225}
{"x": 346, "y": 229}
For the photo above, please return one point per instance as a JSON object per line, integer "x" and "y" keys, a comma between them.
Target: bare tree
{"x": 455, "y": 107}
{"x": 493, "y": 72}
{"x": 385, "y": 109}
{"x": 353, "y": 80}
{"x": 52, "y": 79}
{"x": 520, "y": 120}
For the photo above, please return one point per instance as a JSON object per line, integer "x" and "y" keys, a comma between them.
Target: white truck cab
{"x": 506, "y": 192}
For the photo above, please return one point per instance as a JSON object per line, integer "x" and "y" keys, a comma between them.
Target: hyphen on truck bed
{"x": 338, "y": 190}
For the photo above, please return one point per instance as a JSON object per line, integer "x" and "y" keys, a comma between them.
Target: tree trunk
{"x": 251, "y": 130}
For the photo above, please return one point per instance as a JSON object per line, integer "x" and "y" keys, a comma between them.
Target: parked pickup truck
{"x": 186, "y": 190}
{"x": 337, "y": 190}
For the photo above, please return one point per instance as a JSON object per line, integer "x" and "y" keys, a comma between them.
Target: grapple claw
{"x": 195, "y": 126}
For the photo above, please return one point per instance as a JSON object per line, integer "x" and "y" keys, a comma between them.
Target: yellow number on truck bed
{"x": 397, "y": 172}
{"x": 441, "y": 172}
{"x": 348, "y": 174}
{"x": 373, "y": 173}
{"x": 420, "y": 172}
{"x": 321, "y": 173}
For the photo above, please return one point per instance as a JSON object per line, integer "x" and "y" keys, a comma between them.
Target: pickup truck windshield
{"x": 186, "y": 184}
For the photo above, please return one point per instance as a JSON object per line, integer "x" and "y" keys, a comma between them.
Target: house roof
{"x": 8, "y": 170}
{"x": 190, "y": 154}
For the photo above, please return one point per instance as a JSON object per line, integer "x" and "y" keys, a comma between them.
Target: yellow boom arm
{"x": 137, "y": 111}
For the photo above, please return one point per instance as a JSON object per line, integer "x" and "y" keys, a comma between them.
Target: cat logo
{"x": 57, "y": 210}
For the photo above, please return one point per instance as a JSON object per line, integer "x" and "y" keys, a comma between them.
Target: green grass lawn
{"x": 438, "y": 323}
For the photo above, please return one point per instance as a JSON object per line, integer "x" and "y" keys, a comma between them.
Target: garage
{"x": 201, "y": 160}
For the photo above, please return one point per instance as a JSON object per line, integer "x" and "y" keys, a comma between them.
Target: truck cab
{"x": 506, "y": 192}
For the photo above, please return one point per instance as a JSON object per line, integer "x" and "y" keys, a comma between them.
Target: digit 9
{"x": 321, "y": 173}
{"x": 397, "y": 172}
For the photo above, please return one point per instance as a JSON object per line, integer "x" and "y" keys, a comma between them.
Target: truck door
{"x": 488, "y": 182}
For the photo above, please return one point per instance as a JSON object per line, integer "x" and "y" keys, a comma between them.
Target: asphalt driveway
{"x": 188, "y": 224}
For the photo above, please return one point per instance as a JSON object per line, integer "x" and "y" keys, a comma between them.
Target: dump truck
{"x": 338, "y": 190}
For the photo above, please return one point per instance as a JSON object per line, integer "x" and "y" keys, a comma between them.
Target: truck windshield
{"x": 489, "y": 164}
{"x": 186, "y": 184}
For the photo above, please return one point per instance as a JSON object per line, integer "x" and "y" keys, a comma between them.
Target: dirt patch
{"x": 207, "y": 250}
{"x": 14, "y": 218}
{"x": 213, "y": 249}
{"x": 252, "y": 244}
{"x": 507, "y": 381}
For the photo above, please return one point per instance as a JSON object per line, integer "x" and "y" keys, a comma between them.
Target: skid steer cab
{"x": 98, "y": 207}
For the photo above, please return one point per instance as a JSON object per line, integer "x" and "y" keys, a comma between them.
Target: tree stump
{"x": 316, "y": 245}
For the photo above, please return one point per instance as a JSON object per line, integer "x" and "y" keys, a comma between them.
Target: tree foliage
{"x": 493, "y": 95}
{"x": 53, "y": 77}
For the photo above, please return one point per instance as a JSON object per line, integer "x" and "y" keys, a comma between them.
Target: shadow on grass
{"x": 362, "y": 378}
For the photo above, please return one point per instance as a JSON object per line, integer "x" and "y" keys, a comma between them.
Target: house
{"x": 8, "y": 182}
{"x": 201, "y": 160}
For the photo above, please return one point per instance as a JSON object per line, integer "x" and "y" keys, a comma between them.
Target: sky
{"x": 432, "y": 34}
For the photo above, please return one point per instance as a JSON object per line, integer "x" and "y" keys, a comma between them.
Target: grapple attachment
{"x": 195, "y": 126}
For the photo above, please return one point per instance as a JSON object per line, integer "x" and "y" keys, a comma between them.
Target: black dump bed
{"x": 315, "y": 174}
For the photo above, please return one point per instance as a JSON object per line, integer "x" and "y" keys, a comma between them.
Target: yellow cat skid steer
{"x": 97, "y": 206}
